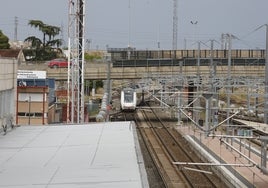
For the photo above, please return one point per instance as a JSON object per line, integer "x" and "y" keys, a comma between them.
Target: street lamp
{"x": 88, "y": 41}
{"x": 194, "y": 23}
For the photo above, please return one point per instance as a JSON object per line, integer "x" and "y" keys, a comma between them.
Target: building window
{"x": 25, "y": 114}
{"x": 21, "y": 114}
{"x": 30, "y": 114}
{"x": 38, "y": 114}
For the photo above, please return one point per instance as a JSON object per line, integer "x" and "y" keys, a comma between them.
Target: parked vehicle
{"x": 58, "y": 63}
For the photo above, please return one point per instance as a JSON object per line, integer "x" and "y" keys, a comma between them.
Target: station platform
{"x": 262, "y": 127}
{"x": 213, "y": 149}
{"x": 71, "y": 156}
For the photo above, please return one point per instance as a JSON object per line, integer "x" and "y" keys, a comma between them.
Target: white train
{"x": 128, "y": 99}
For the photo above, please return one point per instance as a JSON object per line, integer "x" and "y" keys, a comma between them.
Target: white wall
{"x": 8, "y": 74}
{"x": 7, "y": 105}
{"x": 35, "y": 97}
{"x": 8, "y": 88}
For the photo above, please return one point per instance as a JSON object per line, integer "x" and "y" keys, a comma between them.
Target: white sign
{"x": 28, "y": 74}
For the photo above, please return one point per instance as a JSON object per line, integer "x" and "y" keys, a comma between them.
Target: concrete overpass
{"x": 98, "y": 70}
{"x": 129, "y": 63}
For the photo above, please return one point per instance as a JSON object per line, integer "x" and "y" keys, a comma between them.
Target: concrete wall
{"x": 52, "y": 115}
{"x": 99, "y": 71}
{"x": 8, "y": 74}
{"x": 8, "y": 90}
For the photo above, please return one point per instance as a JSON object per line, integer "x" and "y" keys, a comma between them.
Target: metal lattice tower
{"x": 76, "y": 48}
{"x": 175, "y": 25}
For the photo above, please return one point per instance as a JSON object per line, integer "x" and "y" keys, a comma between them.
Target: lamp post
{"x": 194, "y": 23}
{"x": 88, "y": 41}
{"x": 196, "y": 112}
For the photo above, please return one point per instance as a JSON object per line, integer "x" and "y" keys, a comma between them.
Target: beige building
{"x": 32, "y": 105}
{"x": 32, "y": 98}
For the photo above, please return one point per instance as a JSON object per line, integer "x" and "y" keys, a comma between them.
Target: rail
{"x": 177, "y": 151}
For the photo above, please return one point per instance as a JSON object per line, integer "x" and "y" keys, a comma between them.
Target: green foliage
{"x": 49, "y": 31}
{"x": 4, "y": 41}
{"x": 92, "y": 56}
{"x": 40, "y": 54}
{"x": 89, "y": 83}
{"x": 99, "y": 83}
{"x": 36, "y": 42}
{"x": 48, "y": 47}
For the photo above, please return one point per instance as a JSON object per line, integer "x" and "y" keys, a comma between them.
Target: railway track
{"x": 167, "y": 146}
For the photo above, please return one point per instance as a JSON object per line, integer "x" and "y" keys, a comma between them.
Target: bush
{"x": 4, "y": 41}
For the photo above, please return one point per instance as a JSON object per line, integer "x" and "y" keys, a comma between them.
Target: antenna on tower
{"x": 175, "y": 25}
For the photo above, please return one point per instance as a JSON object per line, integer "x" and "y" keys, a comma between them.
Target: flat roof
{"x": 93, "y": 155}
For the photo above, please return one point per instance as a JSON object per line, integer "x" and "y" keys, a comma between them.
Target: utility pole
{"x": 62, "y": 36}
{"x": 229, "y": 36}
{"x": 212, "y": 67}
{"x": 223, "y": 41}
{"x": 129, "y": 23}
{"x": 198, "y": 82}
{"x": 214, "y": 89}
{"x": 211, "y": 87}
{"x": 129, "y": 30}
{"x": 16, "y": 29}
{"x": 175, "y": 25}
{"x": 229, "y": 129}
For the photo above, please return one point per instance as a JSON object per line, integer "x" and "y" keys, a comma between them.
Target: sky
{"x": 143, "y": 24}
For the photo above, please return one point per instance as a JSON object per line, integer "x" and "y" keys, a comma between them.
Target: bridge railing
{"x": 181, "y": 54}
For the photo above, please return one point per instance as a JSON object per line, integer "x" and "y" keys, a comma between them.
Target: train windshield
{"x": 128, "y": 97}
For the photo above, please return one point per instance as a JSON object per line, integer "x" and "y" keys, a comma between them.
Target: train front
{"x": 128, "y": 99}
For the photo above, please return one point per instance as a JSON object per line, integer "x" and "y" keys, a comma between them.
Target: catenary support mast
{"x": 266, "y": 78}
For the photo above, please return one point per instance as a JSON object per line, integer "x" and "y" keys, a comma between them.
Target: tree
{"x": 4, "y": 41}
{"x": 36, "y": 42}
{"x": 47, "y": 30}
{"x": 44, "y": 49}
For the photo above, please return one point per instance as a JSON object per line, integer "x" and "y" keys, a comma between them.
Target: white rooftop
{"x": 95, "y": 155}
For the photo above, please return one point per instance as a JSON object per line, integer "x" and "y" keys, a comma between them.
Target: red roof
{"x": 9, "y": 53}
